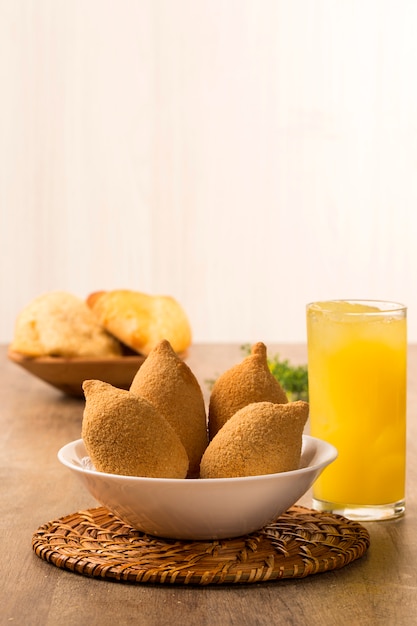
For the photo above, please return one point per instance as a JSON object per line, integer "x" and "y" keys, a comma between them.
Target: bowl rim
{"x": 19, "y": 357}
{"x": 330, "y": 454}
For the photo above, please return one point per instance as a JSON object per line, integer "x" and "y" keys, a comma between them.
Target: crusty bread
{"x": 58, "y": 323}
{"x": 93, "y": 297}
{"x": 140, "y": 320}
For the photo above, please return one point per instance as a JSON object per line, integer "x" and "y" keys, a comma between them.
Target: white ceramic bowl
{"x": 199, "y": 509}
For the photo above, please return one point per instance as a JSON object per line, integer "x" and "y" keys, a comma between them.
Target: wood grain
{"x": 36, "y": 420}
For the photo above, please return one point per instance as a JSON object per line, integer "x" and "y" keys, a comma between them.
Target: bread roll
{"x": 61, "y": 324}
{"x": 140, "y": 320}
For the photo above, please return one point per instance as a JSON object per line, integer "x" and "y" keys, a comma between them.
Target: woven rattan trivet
{"x": 301, "y": 542}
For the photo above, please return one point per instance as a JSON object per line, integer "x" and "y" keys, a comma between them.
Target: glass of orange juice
{"x": 357, "y": 376}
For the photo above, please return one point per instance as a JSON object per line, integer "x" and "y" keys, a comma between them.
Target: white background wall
{"x": 245, "y": 156}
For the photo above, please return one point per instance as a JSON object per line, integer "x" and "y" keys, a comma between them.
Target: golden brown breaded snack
{"x": 124, "y": 434}
{"x": 61, "y": 324}
{"x": 169, "y": 385}
{"x": 261, "y": 438}
{"x": 247, "y": 382}
{"x": 140, "y": 320}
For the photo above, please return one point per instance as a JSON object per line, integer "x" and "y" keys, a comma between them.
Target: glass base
{"x": 362, "y": 512}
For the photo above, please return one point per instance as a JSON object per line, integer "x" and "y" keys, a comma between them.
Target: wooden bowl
{"x": 68, "y": 374}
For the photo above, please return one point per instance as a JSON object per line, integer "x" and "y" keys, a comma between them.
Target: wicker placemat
{"x": 301, "y": 542}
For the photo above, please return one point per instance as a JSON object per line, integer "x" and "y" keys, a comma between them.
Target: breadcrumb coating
{"x": 261, "y": 438}
{"x": 124, "y": 434}
{"x": 166, "y": 382}
{"x": 247, "y": 382}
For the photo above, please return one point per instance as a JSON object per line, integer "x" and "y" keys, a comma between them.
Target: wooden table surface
{"x": 36, "y": 420}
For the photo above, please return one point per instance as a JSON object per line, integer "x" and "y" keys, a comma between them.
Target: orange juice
{"x": 357, "y": 352}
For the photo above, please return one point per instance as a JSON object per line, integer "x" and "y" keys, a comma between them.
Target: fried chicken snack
{"x": 166, "y": 382}
{"x": 261, "y": 438}
{"x": 60, "y": 324}
{"x": 124, "y": 434}
{"x": 249, "y": 381}
{"x": 140, "y": 320}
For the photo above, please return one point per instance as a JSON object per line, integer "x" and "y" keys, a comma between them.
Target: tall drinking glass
{"x": 357, "y": 374}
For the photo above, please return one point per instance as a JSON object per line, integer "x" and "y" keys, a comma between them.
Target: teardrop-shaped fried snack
{"x": 261, "y": 438}
{"x": 141, "y": 320}
{"x": 124, "y": 434}
{"x": 166, "y": 382}
{"x": 247, "y": 382}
